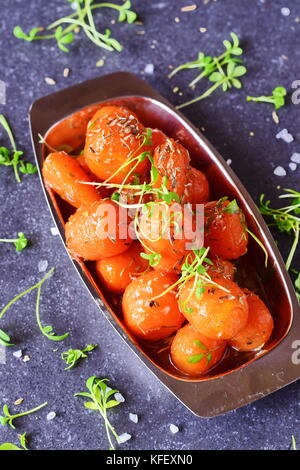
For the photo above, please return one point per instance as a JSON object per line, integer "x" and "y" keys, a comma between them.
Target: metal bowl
{"x": 239, "y": 379}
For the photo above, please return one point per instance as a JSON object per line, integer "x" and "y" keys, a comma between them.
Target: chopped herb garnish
{"x": 277, "y": 98}
{"x": 72, "y": 356}
{"x": 153, "y": 258}
{"x": 8, "y": 418}
{"x": 20, "y": 243}
{"x": 64, "y": 29}
{"x": 100, "y": 395}
{"x": 205, "y": 354}
{"x": 232, "y": 208}
{"x": 224, "y": 71}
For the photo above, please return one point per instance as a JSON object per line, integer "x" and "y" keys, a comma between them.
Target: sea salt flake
{"x": 119, "y": 397}
{"x": 18, "y": 354}
{"x": 174, "y": 429}
{"x": 293, "y": 166}
{"x": 133, "y": 417}
{"x": 229, "y": 161}
{"x": 295, "y": 158}
{"x": 51, "y": 415}
{"x": 123, "y": 438}
{"x": 285, "y": 11}
{"x": 279, "y": 171}
{"x": 149, "y": 68}
{"x": 54, "y": 231}
{"x": 285, "y": 135}
{"x": 26, "y": 358}
{"x": 42, "y": 265}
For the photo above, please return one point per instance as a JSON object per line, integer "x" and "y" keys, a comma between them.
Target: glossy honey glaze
{"x": 69, "y": 135}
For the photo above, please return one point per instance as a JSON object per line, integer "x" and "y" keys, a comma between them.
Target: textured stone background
{"x": 272, "y": 54}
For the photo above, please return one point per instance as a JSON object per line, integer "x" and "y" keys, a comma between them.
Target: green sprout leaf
{"x": 9, "y": 418}
{"x": 286, "y": 218}
{"x": 100, "y": 395}
{"x": 223, "y": 71}
{"x": 45, "y": 330}
{"x": 277, "y": 98}
{"x": 12, "y": 157}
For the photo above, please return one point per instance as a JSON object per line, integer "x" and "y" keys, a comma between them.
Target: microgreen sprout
{"x": 10, "y": 446}
{"x": 64, "y": 29}
{"x": 277, "y": 98}
{"x": 286, "y": 219}
{"x": 297, "y": 283}
{"x": 293, "y": 444}
{"x": 20, "y": 243}
{"x": 9, "y": 418}
{"x": 224, "y": 71}
{"x": 72, "y": 356}
{"x": 12, "y": 157}
{"x": 45, "y": 330}
{"x": 193, "y": 268}
{"x": 101, "y": 394}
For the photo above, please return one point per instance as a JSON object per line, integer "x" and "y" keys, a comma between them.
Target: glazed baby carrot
{"x": 114, "y": 143}
{"x": 220, "y": 311}
{"x": 151, "y": 319}
{"x": 194, "y": 353}
{"x": 118, "y": 271}
{"x": 225, "y": 229}
{"x": 97, "y": 231}
{"x": 259, "y": 326}
{"x": 64, "y": 175}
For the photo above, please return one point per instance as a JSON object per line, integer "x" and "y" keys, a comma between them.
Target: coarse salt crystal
{"x": 42, "y": 265}
{"x": 229, "y": 161}
{"x": 54, "y": 231}
{"x": 123, "y": 438}
{"x": 133, "y": 417}
{"x": 149, "y": 69}
{"x": 285, "y": 135}
{"x": 295, "y": 158}
{"x": 119, "y": 397}
{"x": 285, "y": 11}
{"x": 174, "y": 429}
{"x": 279, "y": 171}
{"x": 18, "y": 354}
{"x": 51, "y": 415}
{"x": 293, "y": 166}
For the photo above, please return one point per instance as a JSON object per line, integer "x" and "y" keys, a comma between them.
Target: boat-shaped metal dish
{"x": 240, "y": 378}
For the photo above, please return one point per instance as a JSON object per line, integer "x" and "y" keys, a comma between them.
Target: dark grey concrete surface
{"x": 272, "y": 55}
